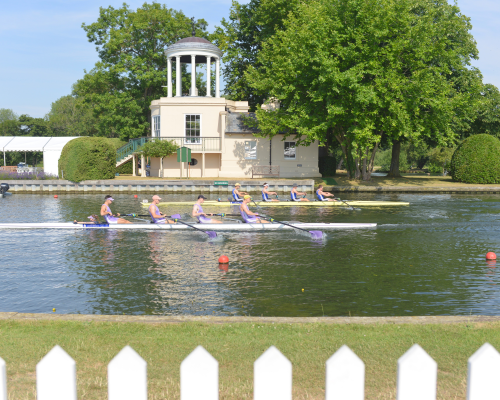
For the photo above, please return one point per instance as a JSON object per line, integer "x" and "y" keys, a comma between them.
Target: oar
{"x": 314, "y": 234}
{"x": 350, "y": 207}
{"x": 147, "y": 215}
{"x": 211, "y": 234}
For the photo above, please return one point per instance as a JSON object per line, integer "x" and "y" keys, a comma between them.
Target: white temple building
{"x": 221, "y": 144}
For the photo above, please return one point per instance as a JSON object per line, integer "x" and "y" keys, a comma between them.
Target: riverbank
{"x": 236, "y": 346}
{"x": 407, "y": 183}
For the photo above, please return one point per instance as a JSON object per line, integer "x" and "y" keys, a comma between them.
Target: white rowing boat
{"x": 174, "y": 227}
{"x": 284, "y": 203}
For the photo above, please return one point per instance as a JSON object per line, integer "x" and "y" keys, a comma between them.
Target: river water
{"x": 425, "y": 259}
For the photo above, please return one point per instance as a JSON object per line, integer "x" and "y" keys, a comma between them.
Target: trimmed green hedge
{"x": 125, "y": 168}
{"x": 88, "y": 158}
{"x": 477, "y": 160}
{"x": 327, "y": 166}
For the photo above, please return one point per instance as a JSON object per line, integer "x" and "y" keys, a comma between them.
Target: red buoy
{"x": 135, "y": 196}
{"x": 491, "y": 256}
{"x": 223, "y": 260}
{"x": 55, "y": 196}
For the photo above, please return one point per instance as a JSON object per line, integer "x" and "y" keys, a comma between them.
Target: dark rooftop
{"x": 235, "y": 124}
{"x": 193, "y": 39}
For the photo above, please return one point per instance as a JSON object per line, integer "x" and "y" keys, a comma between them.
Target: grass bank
{"x": 236, "y": 347}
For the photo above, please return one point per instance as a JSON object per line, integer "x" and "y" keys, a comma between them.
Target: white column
{"x": 217, "y": 78}
{"x": 209, "y": 69}
{"x": 178, "y": 72}
{"x": 202, "y": 165}
{"x": 143, "y": 166}
{"x": 193, "y": 75}
{"x": 134, "y": 165}
{"x": 169, "y": 77}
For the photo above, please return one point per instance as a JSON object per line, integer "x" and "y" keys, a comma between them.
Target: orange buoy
{"x": 223, "y": 260}
{"x": 491, "y": 256}
{"x": 135, "y": 196}
{"x": 55, "y": 196}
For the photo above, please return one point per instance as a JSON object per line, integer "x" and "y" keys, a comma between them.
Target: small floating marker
{"x": 223, "y": 260}
{"x": 302, "y": 290}
{"x": 135, "y": 196}
{"x": 55, "y": 196}
{"x": 53, "y": 310}
{"x": 491, "y": 256}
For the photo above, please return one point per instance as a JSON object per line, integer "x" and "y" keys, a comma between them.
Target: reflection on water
{"x": 425, "y": 259}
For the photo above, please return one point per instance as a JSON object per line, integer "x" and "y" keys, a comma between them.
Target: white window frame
{"x": 190, "y": 141}
{"x": 156, "y": 126}
{"x": 284, "y": 149}
{"x": 254, "y": 157}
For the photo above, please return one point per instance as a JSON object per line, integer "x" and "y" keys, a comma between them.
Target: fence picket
{"x": 3, "y": 380}
{"x": 482, "y": 377}
{"x": 345, "y": 376}
{"x": 417, "y": 375}
{"x": 56, "y": 376}
{"x": 199, "y": 376}
{"x": 127, "y": 376}
{"x": 272, "y": 379}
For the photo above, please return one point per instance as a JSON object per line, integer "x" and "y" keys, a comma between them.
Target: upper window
{"x": 290, "y": 151}
{"x": 156, "y": 125}
{"x": 250, "y": 149}
{"x": 193, "y": 128}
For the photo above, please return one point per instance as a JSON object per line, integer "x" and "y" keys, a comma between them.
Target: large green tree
{"x": 132, "y": 67}
{"x": 72, "y": 116}
{"x": 487, "y": 118}
{"x": 241, "y": 37}
{"x": 363, "y": 71}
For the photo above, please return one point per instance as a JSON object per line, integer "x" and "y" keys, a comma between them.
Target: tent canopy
{"x": 33, "y": 143}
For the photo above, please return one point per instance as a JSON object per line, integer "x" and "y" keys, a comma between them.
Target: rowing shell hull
{"x": 289, "y": 203}
{"x": 180, "y": 227}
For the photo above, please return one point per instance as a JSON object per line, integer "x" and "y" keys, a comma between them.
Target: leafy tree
{"x": 30, "y": 126}
{"x": 159, "y": 148}
{"x": 132, "y": 67}
{"x": 488, "y": 113}
{"x": 7, "y": 114}
{"x": 71, "y": 116}
{"x": 241, "y": 37}
{"x": 357, "y": 71}
{"x": 9, "y": 127}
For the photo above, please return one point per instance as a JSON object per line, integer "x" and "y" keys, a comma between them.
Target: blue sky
{"x": 44, "y": 50}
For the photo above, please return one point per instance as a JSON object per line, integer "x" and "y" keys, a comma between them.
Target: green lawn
{"x": 236, "y": 347}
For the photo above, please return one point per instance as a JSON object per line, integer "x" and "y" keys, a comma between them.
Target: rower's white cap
{"x": 156, "y": 197}
{"x": 265, "y": 184}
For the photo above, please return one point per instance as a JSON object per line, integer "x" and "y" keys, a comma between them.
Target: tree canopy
{"x": 133, "y": 67}
{"x": 357, "y": 71}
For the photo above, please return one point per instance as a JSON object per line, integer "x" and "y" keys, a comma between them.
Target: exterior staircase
{"x": 124, "y": 153}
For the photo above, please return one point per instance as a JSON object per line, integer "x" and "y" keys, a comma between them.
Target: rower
{"x": 266, "y": 193}
{"x": 108, "y": 215}
{"x": 157, "y": 217}
{"x": 200, "y": 214}
{"x": 93, "y": 220}
{"x": 294, "y": 194}
{"x": 247, "y": 215}
{"x": 321, "y": 194}
{"x": 237, "y": 195}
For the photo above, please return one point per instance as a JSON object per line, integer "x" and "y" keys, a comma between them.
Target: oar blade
{"x": 176, "y": 216}
{"x": 316, "y": 234}
{"x": 211, "y": 234}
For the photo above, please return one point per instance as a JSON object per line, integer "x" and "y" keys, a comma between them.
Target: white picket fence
{"x": 345, "y": 376}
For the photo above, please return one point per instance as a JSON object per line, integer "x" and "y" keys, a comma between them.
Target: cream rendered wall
{"x": 235, "y": 165}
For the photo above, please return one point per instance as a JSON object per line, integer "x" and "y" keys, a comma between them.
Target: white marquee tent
{"x": 50, "y": 146}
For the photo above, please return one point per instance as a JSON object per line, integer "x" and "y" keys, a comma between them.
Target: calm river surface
{"x": 425, "y": 259}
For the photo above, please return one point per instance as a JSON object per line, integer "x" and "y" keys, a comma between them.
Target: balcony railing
{"x": 196, "y": 144}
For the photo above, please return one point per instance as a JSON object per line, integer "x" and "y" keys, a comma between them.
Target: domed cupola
{"x": 194, "y": 50}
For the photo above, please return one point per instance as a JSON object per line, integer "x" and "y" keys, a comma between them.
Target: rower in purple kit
{"x": 200, "y": 214}
{"x": 266, "y": 193}
{"x": 108, "y": 215}
{"x": 157, "y": 216}
{"x": 249, "y": 216}
{"x": 322, "y": 195}
{"x": 237, "y": 195}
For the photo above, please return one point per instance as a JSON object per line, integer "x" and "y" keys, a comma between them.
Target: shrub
{"x": 88, "y": 158}
{"x": 477, "y": 160}
{"x": 5, "y": 176}
{"x": 125, "y": 168}
{"x": 440, "y": 159}
{"x": 327, "y": 165}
